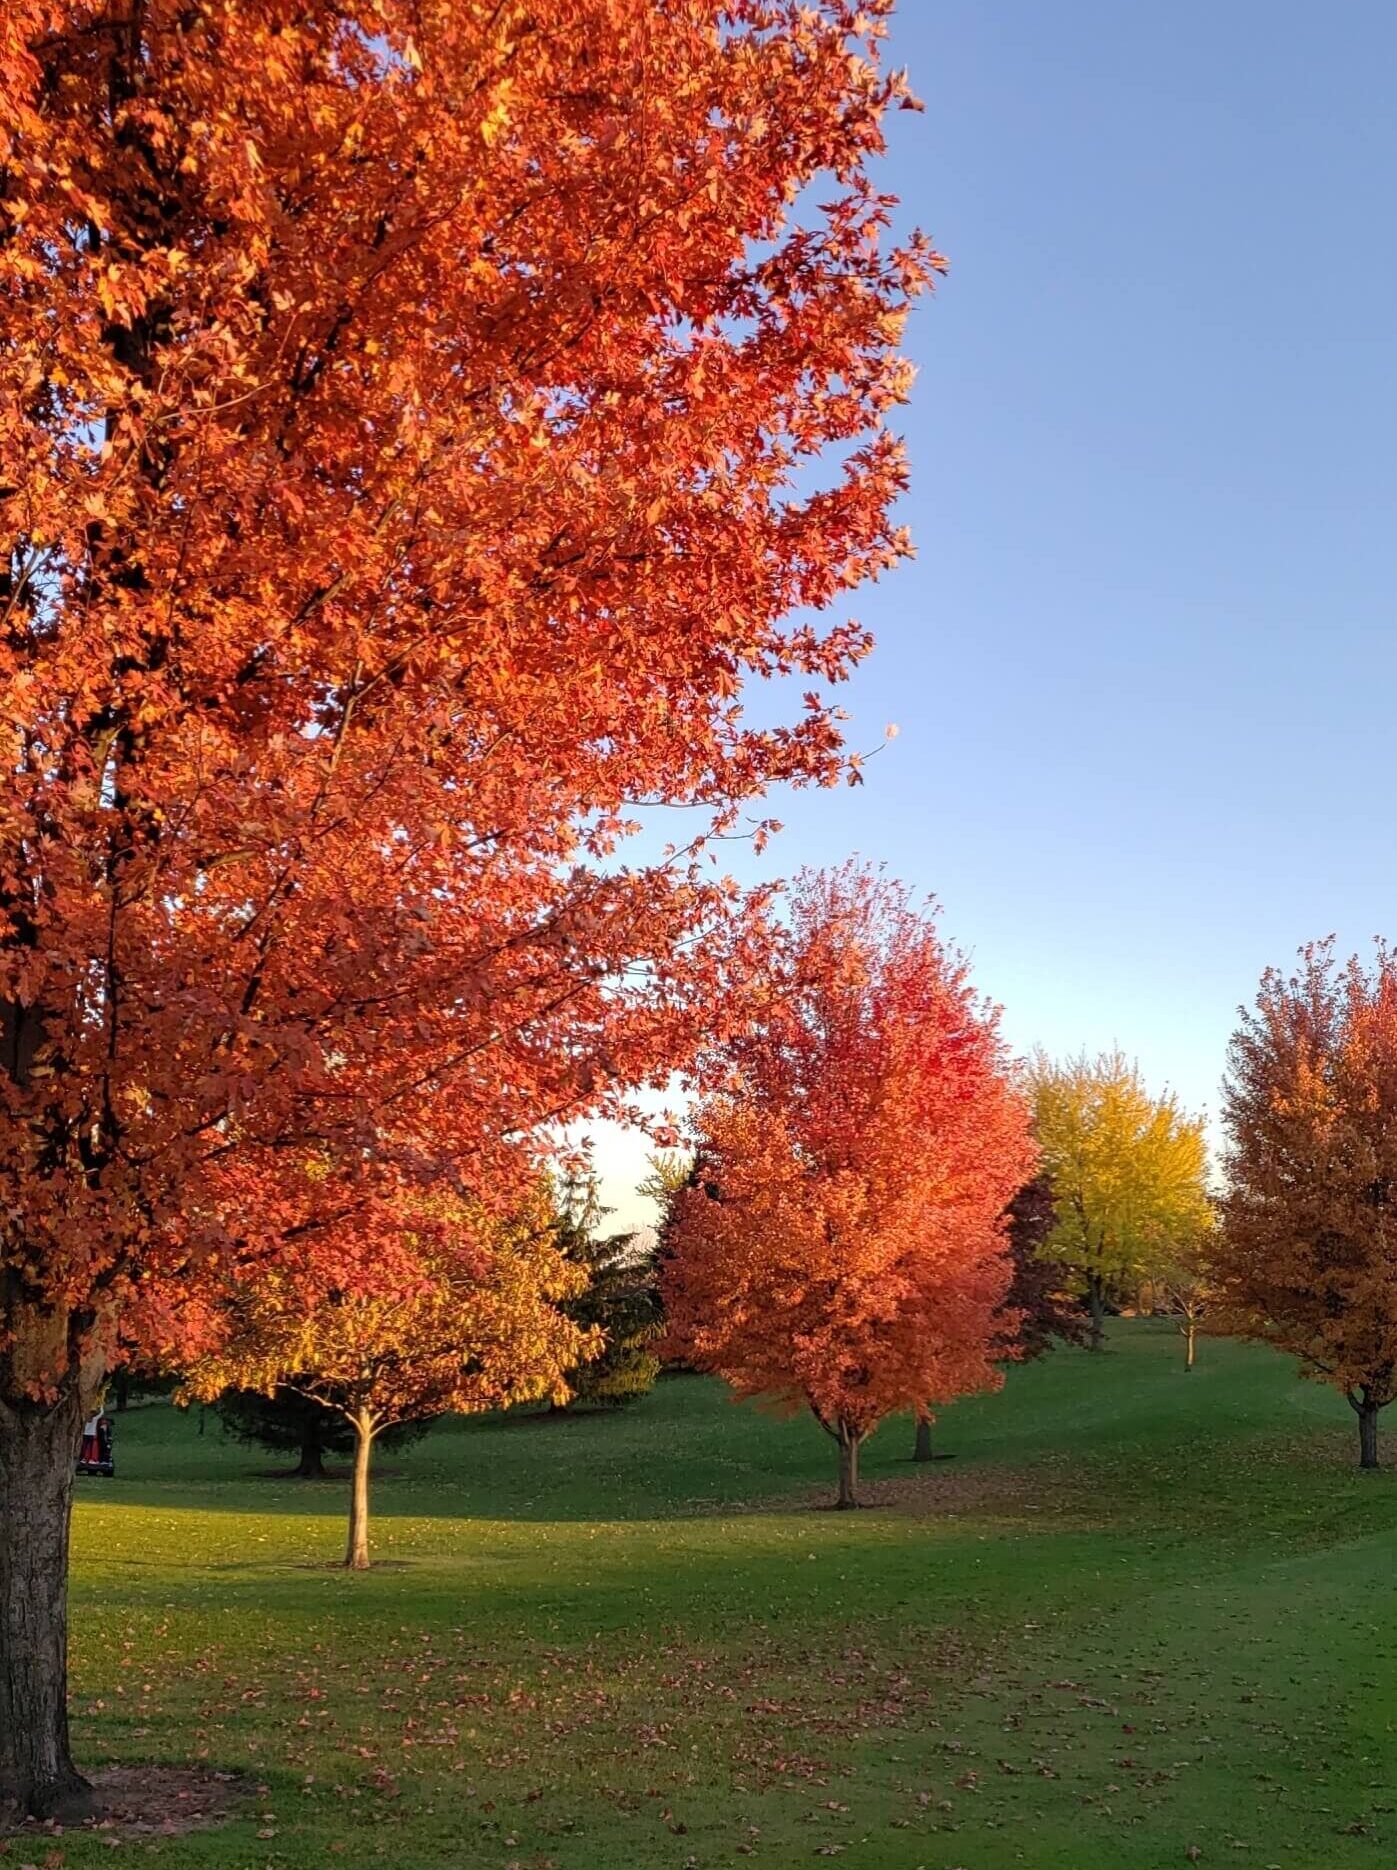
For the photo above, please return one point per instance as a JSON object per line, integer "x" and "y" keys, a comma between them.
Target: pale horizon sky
{"x": 1137, "y": 666}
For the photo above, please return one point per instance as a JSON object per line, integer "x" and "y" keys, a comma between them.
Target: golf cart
{"x": 95, "y": 1448}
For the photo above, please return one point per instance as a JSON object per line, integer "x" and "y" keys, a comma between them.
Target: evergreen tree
{"x": 621, "y": 1299}
{"x": 670, "y": 1170}
{"x": 289, "y": 1423}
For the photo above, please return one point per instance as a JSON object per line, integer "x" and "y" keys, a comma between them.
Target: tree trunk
{"x": 312, "y": 1462}
{"x": 121, "y": 1382}
{"x": 849, "y": 1441}
{"x": 922, "y": 1451}
{"x": 1190, "y": 1342}
{"x": 38, "y": 1451}
{"x": 1096, "y": 1300}
{"x": 357, "y": 1555}
{"x": 1367, "y": 1413}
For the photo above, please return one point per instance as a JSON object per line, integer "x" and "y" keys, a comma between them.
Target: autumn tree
{"x": 479, "y": 1327}
{"x": 1128, "y": 1169}
{"x": 841, "y": 1245}
{"x": 410, "y": 436}
{"x": 1044, "y": 1311}
{"x": 1305, "y": 1259}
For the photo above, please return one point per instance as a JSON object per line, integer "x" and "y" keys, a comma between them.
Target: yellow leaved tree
{"x": 470, "y": 1321}
{"x": 1128, "y": 1170}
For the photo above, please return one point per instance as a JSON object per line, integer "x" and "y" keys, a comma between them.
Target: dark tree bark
{"x": 1096, "y": 1301}
{"x": 923, "y": 1449}
{"x": 1367, "y": 1412}
{"x": 312, "y": 1463}
{"x": 356, "y": 1557}
{"x": 848, "y": 1440}
{"x": 38, "y": 1450}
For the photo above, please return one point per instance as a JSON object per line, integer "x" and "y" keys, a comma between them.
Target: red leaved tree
{"x": 1306, "y": 1257}
{"x": 407, "y": 418}
{"x": 841, "y": 1244}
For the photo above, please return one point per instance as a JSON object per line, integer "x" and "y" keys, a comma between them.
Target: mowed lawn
{"x": 1140, "y": 1615}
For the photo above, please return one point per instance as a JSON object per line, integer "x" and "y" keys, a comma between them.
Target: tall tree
{"x": 481, "y": 1327}
{"x": 409, "y": 433}
{"x": 1128, "y": 1169}
{"x": 669, "y": 1170}
{"x": 841, "y": 1243}
{"x": 1307, "y": 1254}
{"x": 619, "y": 1300}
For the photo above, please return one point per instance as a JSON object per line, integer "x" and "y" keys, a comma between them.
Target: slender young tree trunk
{"x": 357, "y": 1556}
{"x": 1190, "y": 1342}
{"x": 923, "y": 1451}
{"x": 849, "y": 1441}
{"x": 38, "y": 1451}
{"x": 1367, "y": 1413}
{"x": 1096, "y": 1299}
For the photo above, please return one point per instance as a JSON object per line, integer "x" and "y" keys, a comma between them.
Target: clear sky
{"x": 1142, "y": 665}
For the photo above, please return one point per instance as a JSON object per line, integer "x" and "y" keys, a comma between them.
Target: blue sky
{"x": 1141, "y": 667}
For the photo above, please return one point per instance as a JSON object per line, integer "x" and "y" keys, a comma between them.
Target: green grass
{"x": 1141, "y": 1613}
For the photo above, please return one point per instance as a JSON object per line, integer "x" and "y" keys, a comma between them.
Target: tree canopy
{"x": 1305, "y": 1259}
{"x": 411, "y": 427}
{"x": 479, "y": 1327}
{"x": 841, "y": 1242}
{"x": 1128, "y": 1169}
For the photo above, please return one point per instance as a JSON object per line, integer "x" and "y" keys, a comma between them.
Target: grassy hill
{"x": 1140, "y": 1614}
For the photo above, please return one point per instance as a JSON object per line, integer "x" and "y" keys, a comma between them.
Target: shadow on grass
{"x": 1138, "y": 1433}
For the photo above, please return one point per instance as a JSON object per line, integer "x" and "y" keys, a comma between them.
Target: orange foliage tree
{"x": 408, "y": 419}
{"x": 475, "y": 1325}
{"x": 1306, "y": 1257}
{"x": 841, "y": 1244}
